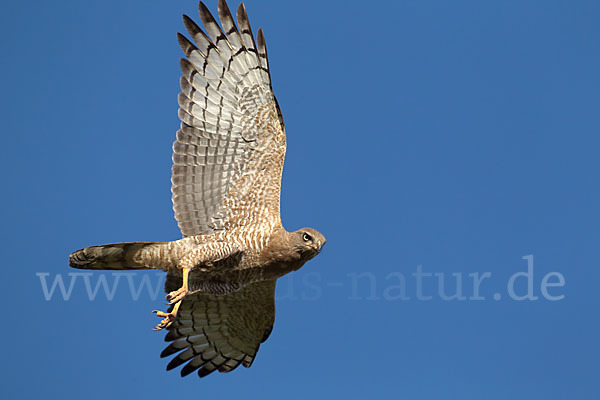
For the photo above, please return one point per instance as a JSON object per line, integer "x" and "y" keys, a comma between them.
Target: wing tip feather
{"x": 192, "y": 28}
{"x": 186, "y": 46}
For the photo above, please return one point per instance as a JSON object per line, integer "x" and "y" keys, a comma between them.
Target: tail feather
{"x": 109, "y": 256}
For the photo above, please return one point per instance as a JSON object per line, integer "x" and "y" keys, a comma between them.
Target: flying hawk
{"x": 226, "y": 184}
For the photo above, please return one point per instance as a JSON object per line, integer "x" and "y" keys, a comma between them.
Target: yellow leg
{"x": 168, "y": 317}
{"x": 180, "y": 293}
{"x": 174, "y": 298}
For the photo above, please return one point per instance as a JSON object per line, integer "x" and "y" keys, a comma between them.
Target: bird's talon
{"x": 166, "y": 322}
{"x": 176, "y": 295}
{"x": 160, "y": 313}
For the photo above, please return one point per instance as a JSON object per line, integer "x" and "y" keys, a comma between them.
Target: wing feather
{"x": 220, "y": 332}
{"x": 229, "y": 152}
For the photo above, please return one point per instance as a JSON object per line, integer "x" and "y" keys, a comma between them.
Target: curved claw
{"x": 176, "y": 295}
{"x": 167, "y": 320}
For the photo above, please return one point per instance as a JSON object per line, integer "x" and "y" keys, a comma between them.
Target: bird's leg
{"x": 178, "y": 295}
{"x": 169, "y": 317}
{"x": 203, "y": 256}
{"x": 174, "y": 298}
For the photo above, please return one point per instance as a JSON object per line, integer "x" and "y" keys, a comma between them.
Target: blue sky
{"x": 455, "y": 136}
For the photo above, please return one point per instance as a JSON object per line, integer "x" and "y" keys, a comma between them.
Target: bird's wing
{"x": 229, "y": 153}
{"x": 214, "y": 332}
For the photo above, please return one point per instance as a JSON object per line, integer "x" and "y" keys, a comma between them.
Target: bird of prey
{"x": 226, "y": 182}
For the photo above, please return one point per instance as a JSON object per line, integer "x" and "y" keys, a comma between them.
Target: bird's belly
{"x": 224, "y": 281}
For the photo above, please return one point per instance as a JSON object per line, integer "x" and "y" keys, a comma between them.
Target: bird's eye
{"x": 306, "y": 237}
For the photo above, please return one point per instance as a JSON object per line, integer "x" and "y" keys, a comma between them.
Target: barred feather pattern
{"x": 226, "y": 182}
{"x": 220, "y": 332}
{"x": 229, "y": 153}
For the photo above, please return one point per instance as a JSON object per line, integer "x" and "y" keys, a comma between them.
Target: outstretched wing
{"x": 221, "y": 332}
{"x": 229, "y": 153}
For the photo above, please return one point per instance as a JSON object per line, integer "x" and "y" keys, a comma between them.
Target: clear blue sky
{"x": 458, "y": 136}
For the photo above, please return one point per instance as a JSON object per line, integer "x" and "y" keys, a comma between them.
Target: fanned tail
{"x": 110, "y": 256}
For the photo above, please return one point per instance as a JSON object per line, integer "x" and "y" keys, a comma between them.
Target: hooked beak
{"x": 320, "y": 245}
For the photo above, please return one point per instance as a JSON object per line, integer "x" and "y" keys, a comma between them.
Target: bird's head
{"x": 308, "y": 242}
